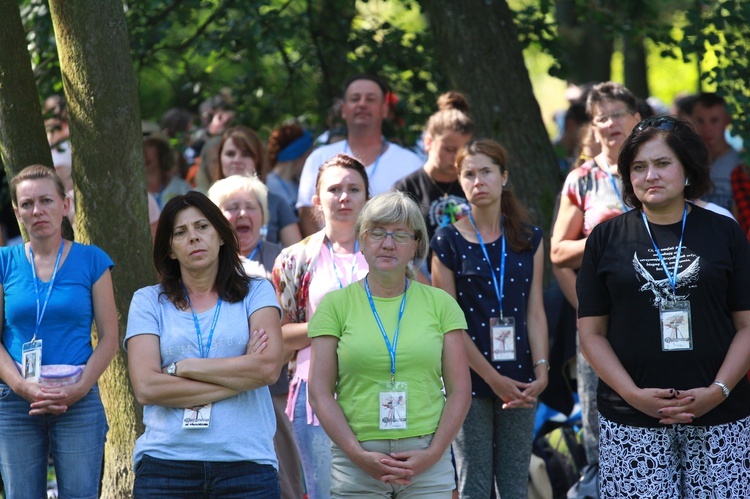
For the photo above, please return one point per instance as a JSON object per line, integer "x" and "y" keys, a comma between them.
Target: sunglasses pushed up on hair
{"x": 666, "y": 123}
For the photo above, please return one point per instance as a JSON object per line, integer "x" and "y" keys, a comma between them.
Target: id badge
{"x": 196, "y": 417}
{"x": 676, "y": 327}
{"x": 503, "y": 333}
{"x": 31, "y": 360}
{"x": 392, "y": 405}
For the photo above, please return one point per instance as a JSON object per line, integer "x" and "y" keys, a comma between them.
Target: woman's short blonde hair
{"x": 395, "y": 207}
{"x": 225, "y": 188}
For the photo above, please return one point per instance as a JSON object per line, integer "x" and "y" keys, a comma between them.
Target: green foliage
{"x": 390, "y": 39}
{"x": 192, "y": 49}
{"x": 42, "y": 49}
{"x": 719, "y": 29}
{"x": 263, "y": 51}
{"x": 537, "y": 28}
{"x": 714, "y": 32}
{"x": 185, "y": 51}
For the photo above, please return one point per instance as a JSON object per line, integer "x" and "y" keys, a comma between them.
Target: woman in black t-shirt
{"x": 664, "y": 311}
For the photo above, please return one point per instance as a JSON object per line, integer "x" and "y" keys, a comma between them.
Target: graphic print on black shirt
{"x": 447, "y": 210}
{"x": 651, "y": 273}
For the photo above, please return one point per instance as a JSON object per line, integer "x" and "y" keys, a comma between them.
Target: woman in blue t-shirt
{"x": 203, "y": 346}
{"x": 52, "y": 290}
{"x": 507, "y": 328}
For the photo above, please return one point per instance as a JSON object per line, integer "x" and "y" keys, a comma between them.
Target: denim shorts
{"x": 161, "y": 478}
{"x": 76, "y": 439}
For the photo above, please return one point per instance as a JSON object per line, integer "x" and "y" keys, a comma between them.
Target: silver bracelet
{"x": 724, "y": 388}
{"x": 540, "y": 362}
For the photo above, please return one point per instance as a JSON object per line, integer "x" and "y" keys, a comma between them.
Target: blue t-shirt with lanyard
{"x": 475, "y": 293}
{"x": 65, "y": 326}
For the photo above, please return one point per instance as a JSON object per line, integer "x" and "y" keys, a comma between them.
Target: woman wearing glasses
{"x": 384, "y": 349}
{"x": 492, "y": 263}
{"x": 591, "y": 194}
{"x": 664, "y": 310}
{"x": 303, "y": 274}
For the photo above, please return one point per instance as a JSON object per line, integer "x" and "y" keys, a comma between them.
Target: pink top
{"x": 326, "y": 278}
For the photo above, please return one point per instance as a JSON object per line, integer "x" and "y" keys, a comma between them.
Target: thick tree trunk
{"x": 588, "y": 47}
{"x": 478, "y": 48}
{"x": 23, "y": 141}
{"x": 636, "y": 72}
{"x": 108, "y": 172}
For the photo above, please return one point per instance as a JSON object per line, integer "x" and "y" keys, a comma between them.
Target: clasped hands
{"x": 517, "y": 394}
{"x": 397, "y": 468}
{"x": 672, "y": 406}
{"x": 46, "y": 400}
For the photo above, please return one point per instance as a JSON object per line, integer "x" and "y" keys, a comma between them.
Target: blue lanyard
{"x": 198, "y": 326}
{"x": 391, "y": 349}
{"x": 336, "y": 269}
{"x": 377, "y": 160}
{"x": 40, "y": 314}
{"x": 157, "y": 196}
{"x": 671, "y": 277}
{"x": 614, "y": 186}
{"x": 255, "y": 251}
{"x": 498, "y": 289}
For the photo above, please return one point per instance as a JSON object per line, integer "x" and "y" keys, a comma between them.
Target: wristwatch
{"x": 172, "y": 369}
{"x": 724, "y": 388}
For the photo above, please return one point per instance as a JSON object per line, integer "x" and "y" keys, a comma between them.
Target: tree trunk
{"x": 636, "y": 73}
{"x": 23, "y": 140}
{"x": 108, "y": 173}
{"x": 477, "y": 46}
{"x": 588, "y": 47}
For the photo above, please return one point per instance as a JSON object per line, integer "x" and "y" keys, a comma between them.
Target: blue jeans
{"x": 314, "y": 450}
{"x": 160, "y": 478}
{"x": 76, "y": 439}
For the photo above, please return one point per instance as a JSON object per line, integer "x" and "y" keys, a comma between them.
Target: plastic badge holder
{"x": 56, "y": 375}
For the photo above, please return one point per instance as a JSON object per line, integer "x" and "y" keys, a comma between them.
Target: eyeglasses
{"x": 666, "y": 123}
{"x": 602, "y": 119}
{"x": 378, "y": 235}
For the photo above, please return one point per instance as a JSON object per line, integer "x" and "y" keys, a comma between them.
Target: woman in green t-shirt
{"x": 383, "y": 350}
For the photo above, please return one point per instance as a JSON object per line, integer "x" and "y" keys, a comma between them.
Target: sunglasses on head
{"x": 666, "y": 123}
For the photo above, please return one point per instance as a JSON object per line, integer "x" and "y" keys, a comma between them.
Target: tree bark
{"x": 23, "y": 140}
{"x": 636, "y": 72}
{"x": 108, "y": 173}
{"x": 477, "y": 45}
{"x": 588, "y": 47}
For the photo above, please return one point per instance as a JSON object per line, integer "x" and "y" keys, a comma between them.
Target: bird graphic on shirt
{"x": 660, "y": 287}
